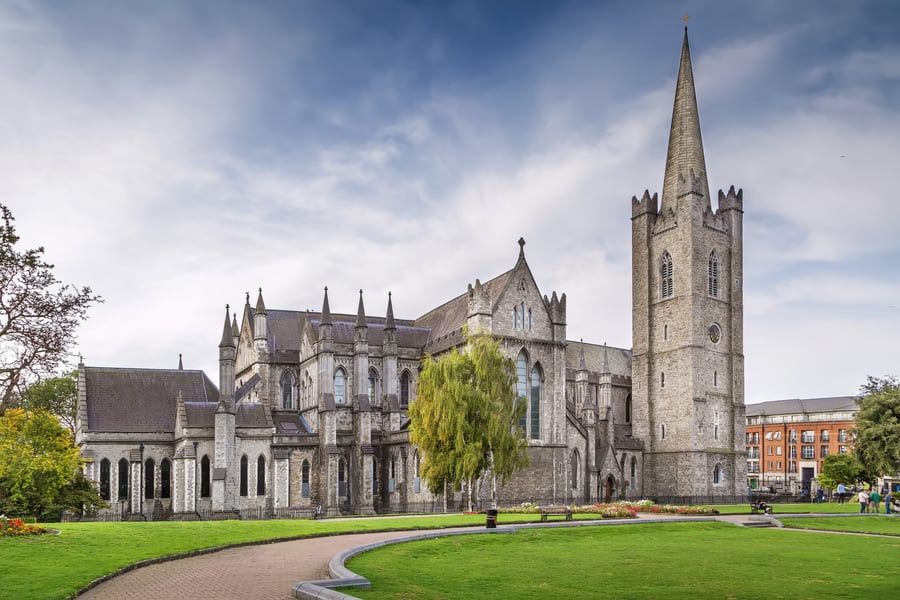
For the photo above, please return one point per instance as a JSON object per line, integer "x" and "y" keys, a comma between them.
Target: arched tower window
{"x": 261, "y": 476}
{"x": 340, "y": 386}
{"x": 666, "y": 276}
{"x": 287, "y": 390}
{"x": 244, "y": 475}
{"x": 123, "y": 479}
{"x": 204, "y": 477}
{"x": 536, "y": 402}
{"x": 529, "y": 319}
{"x": 522, "y": 384}
{"x": 713, "y": 275}
{"x": 165, "y": 478}
{"x": 149, "y": 478}
{"x": 304, "y": 479}
{"x": 104, "y": 479}
{"x": 628, "y": 408}
{"x": 404, "y": 389}
{"x": 373, "y": 381}
{"x": 717, "y": 474}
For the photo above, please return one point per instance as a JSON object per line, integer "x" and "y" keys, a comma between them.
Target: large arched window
{"x": 244, "y": 474}
{"x": 666, "y": 276}
{"x": 417, "y": 466}
{"x": 261, "y": 475}
{"x": 304, "y": 479}
{"x": 536, "y": 402}
{"x": 522, "y": 384}
{"x": 287, "y": 390}
{"x": 404, "y": 389}
{"x": 713, "y": 275}
{"x": 104, "y": 479}
{"x": 165, "y": 478}
{"x": 628, "y": 408}
{"x": 373, "y": 382}
{"x": 340, "y": 387}
{"x": 204, "y": 477}
{"x": 149, "y": 479}
{"x": 123, "y": 479}
{"x": 717, "y": 474}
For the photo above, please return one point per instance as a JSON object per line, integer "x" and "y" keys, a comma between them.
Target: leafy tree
{"x": 38, "y": 315}
{"x": 465, "y": 416}
{"x": 40, "y": 466}
{"x": 877, "y": 445}
{"x": 57, "y": 396}
{"x": 840, "y": 468}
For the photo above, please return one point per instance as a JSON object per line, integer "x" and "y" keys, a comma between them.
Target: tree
{"x": 877, "y": 445}
{"x": 40, "y": 467}
{"x": 840, "y": 468}
{"x": 465, "y": 418}
{"x": 57, "y": 396}
{"x": 38, "y": 315}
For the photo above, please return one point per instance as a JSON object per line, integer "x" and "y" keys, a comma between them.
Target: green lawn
{"x": 805, "y": 507}
{"x": 864, "y": 524}
{"x": 670, "y": 560}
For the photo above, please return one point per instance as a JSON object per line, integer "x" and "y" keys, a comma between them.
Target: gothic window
{"x": 628, "y": 408}
{"x": 374, "y": 477}
{"x": 340, "y": 387}
{"x": 204, "y": 477}
{"x": 717, "y": 474}
{"x": 404, "y": 389}
{"x": 521, "y": 384}
{"x": 515, "y": 317}
{"x": 662, "y": 380}
{"x": 123, "y": 479}
{"x": 165, "y": 478}
{"x": 287, "y": 390}
{"x": 713, "y": 275}
{"x": 149, "y": 467}
{"x": 261, "y": 476}
{"x": 373, "y": 379}
{"x": 244, "y": 475}
{"x": 575, "y": 468}
{"x": 666, "y": 273}
{"x": 715, "y": 379}
{"x": 529, "y": 319}
{"x": 104, "y": 479}
{"x": 662, "y": 431}
{"x": 304, "y": 479}
{"x": 417, "y": 465}
{"x": 665, "y": 332}
{"x": 536, "y": 402}
{"x": 633, "y": 473}
{"x": 391, "y": 480}
{"x": 342, "y": 477}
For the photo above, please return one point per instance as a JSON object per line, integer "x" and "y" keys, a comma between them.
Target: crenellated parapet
{"x": 557, "y": 308}
{"x": 646, "y": 205}
{"x": 480, "y": 307}
{"x": 732, "y": 200}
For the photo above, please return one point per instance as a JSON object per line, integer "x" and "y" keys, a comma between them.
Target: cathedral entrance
{"x": 608, "y": 489}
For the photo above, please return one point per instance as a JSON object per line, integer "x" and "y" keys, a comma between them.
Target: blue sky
{"x": 174, "y": 155}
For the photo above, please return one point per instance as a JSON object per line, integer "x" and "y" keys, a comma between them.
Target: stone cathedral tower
{"x": 687, "y": 317}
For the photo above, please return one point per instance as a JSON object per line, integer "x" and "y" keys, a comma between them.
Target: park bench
{"x": 755, "y": 508}
{"x": 548, "y": 511}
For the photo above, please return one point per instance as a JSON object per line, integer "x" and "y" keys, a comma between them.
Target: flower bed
{"x": 16, "y": 527}
{"x": 618, "y": 510}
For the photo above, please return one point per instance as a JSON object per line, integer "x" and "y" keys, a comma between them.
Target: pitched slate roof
{"x": 618, "y": 359}
{"x": 247, "y": 414}
{"x": 805, "y": 406}
{"x": 141, "y": 400}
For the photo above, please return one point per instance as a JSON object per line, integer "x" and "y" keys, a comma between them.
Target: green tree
{"x": 465, "y": 418}
{"x": 877, "y": 445}
{"x": 840, "y": 468}
{"x": 57, "y": 396}
{"x": 40, "y": 467}
{"x": 38, "y": 315}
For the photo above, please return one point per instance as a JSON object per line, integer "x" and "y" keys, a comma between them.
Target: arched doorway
{"x": 609, "y": 489}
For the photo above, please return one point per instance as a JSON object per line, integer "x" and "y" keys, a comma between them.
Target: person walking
{"x": 887, "y": 501}
{"x": 863, "y": 500}
{"x": 842, "y": 491}
{"x": 875, "y": 501}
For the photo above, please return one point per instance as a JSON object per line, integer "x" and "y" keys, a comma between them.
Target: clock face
{"x": 715, "y": 333}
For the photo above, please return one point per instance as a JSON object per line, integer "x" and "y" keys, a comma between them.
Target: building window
{"x": 373, "y": 379}
{"x": 104, "y": 479}
{"x": 665, "y": 332}
{"x": 666, "y": 273}
{"x": 261, "y": 476}
{"x": 792, "y": 436}
{"x": 515, "y": 317}
{"x": 713, "y": 275}
{"x": 529, "y": 320}
{"x": 753, "y": 452}
{"x": 304, "y": 479}
{"x": 536, "y": 402}
{"x": 662, "y": 380}
{"x": 165, "y": 478}
{"x": 792, "y": 466}
{"x": 777, "y": 435}
{"x": 778, "y": 450}
{"x": 769, "y": 450}
{"x": 149, "y": 478}
{"x": 521, "y": 384}
{"x": 287, "y": 390}
{"x": 340, "y": 387}
{"x": 793, "y": 451}
{"x": 823, "y": 451}
{"x": 717, "y": 474}
{"x": 842, "y": 435}
{"x": 808, "y": 452}
{"x": 633, "y": 476}
{"x": 123, "y": 479}
{"x": 404, "y": 389}
{"x": 628, "y": 408}
{"x": 575, "y": 468}
{"x": 662, "y": 431}
{"x": 842, "y": 450}
{"x": 244, "y": 475}
{"x": 204, "y": 477}
{"x": 342, "y": 477}
{"x": 808, "y": 436}
{"x": 715, "y": 379}
{"x": 417, "y": 466}
{"x": 753, "y": 466}
{"x": 769, "y": 465}
{"x": 778, "y": 465}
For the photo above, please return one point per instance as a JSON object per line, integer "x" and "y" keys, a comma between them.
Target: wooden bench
{"x": 548, "y": 511}
{"x": 754, "y": 508}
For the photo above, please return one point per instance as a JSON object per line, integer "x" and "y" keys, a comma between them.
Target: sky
{"x": 175, "y": 155}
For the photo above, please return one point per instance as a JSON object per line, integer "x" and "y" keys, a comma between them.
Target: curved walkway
{"x": 270, "y": 571}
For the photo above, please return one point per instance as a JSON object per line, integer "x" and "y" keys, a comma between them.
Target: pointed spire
{"x": 582, "y": 366}
{"x": 389, "y": 320}
{"x": 235, "y": 330}
{"x": 260, "y": 305}
{"x": 326, "y": 312}
{"x": 180, "y": 363}
{"x": 685, "y": 153}
{"x": 227, "y": 338}
{"x": 360, "y": 312}
{"x": 605, "y": 359}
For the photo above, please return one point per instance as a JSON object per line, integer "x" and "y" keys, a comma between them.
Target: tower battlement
{"x": 732, "y": 200}
{"x": 647, "y": 204}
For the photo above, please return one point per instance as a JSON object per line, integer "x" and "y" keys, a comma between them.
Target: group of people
{"x": 871, "y": 501}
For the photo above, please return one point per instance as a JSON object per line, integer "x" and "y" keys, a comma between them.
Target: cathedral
{"x": 310, "y": 412}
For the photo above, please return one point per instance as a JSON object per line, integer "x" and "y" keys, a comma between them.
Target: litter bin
{"x": 491, "y": 522}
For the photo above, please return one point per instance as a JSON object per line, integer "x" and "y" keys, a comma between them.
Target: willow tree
{"x": 465, "y": 418}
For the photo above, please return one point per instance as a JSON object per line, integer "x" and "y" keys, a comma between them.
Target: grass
{"x": 668, "y": 560}
{"x": 780, "y": 509}
{"x": 865, "y": 524}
